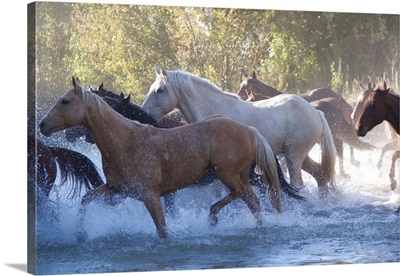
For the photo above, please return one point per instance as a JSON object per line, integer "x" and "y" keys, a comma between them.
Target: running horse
{"x": 386, "y": 128}
{"x": 380, "y": 106}
{"x": 290, "y": 124}
{"x": 252, "y": 89}
{"x": 145, "y": 163}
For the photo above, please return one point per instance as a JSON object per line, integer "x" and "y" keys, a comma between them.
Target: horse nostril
{"x": 41, "y": 124}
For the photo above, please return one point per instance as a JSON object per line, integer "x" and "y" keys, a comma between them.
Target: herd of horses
{"x": 151, "y": 151}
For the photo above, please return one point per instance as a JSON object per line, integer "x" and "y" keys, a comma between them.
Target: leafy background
{"x": 294, "y": 51}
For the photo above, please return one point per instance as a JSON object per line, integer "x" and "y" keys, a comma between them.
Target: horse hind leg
{"x": 392, "y": 176}
{"x": 216, "y": 207}
{"x": 107, "y": 194}
{"x": 240, "y": 187}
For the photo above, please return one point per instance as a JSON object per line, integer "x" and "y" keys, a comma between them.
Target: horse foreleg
{"x": 106, "y": 193}
{"x": 339, "y": 151}
{"x": 393, "y": 182}
{"x": 154, "y": 206}
{"x": 389, "y": 146}
{"x": 352, "y": 159}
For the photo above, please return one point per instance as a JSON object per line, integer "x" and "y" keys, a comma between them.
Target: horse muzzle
{"x": 46, "y": 129}
{"x": 361, "y": 131}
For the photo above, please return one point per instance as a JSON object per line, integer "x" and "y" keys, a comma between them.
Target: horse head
{"x": 374, "y": 109}
{"x": 246, "y": 88}
{"x": 68, "y": 111}
{"x": 162, "y": 97}
{"x": 362, "y": 97}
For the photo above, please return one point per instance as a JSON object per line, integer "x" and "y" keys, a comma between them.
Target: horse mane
{"x": 179, "y": 78}
{"x": 89, "y": 97}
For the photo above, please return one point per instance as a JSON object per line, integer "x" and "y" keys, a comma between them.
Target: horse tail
{"x": 286, "y": 187}
{"x": 266, "y": 162}
{"x": 328, "y": 150}
{"x": 78, "y": 168}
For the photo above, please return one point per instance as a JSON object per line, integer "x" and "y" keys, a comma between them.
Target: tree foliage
{"x": 291, "y": 50}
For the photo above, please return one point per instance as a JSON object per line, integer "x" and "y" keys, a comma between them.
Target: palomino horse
{"x": 381, "y": 106}
{"x": 73, "y": 166}
{"x": 145, "y": 163}
{"x": 290, "y": 124}
{"x": 252, "y": 89}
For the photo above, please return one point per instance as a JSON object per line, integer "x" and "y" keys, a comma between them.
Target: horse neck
{"x": 392, "y": 113}
{"x": 107, "y": 127}
{"x": 203, "y": 102}
{"x": 263, "y": 89}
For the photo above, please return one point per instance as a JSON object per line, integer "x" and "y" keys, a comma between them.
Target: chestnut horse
{"x": 145, "y": 163}
{"x": 380, "y": 106}
{"x": 388, "y": 130}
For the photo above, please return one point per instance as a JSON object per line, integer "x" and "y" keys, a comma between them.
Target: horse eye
{"x": 160, "y": 90}
{"x": 64, "y": 101}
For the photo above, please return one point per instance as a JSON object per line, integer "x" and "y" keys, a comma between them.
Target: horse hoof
{"x": 213, "y": 221}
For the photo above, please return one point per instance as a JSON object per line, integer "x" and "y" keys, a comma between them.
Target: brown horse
{"x": 380, "y": 106}
{"x": 251, "y": 87}
{"x": 342, "y": 131}
{"x": 256, "y": 90}
{"x": 73, "y": 166}
{"x": 145, "y": 163}
{"x": 388, "y": 131}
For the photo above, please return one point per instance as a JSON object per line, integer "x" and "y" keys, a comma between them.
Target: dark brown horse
{"x": 256, "y": 90}
{"x": 342, "y": 131}
{"x": 380, "y": 106}
{"x": 386, "y": 129}
{"x": 74, "y": 167}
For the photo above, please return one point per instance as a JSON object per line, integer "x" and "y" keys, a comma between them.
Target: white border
{"x": 13, "y": 125}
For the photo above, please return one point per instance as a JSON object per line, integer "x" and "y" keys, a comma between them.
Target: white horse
{"x": 289, "y": 123}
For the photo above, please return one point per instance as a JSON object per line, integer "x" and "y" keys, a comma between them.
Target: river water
{"x": 357, "y": 226}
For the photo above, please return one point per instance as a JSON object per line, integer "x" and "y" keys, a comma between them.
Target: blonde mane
{"x": 90, "y": 98}
{"x": 186, "y": 81}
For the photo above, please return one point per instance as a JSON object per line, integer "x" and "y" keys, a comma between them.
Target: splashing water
{"x": 357, "y": 225}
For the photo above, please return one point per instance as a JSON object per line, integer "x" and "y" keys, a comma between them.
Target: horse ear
{"x": 77, "y": 84}
{"x": 158, "y": 70}
{"x": 254, "y": 76}
{"x": 164, "y": 73}
{"x": 128, "y": 99}
{"x": 245, "y": 74}
{"x": 100, "y": 87}
{"x": 121, "y": 96}
{"x": 384, "y": 86}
